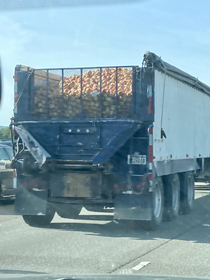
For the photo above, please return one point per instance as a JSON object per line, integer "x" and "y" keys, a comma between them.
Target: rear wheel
{"x": 157, "y": 205}
{"x": 172, "y": 196}
{"x": 40, "y": 220}
{"x": 187, "y": 193}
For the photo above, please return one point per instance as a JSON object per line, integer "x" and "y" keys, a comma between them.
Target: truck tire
{"x": 40, "y": 220}
{"x": 172, "y": 197}
{"x": 187, "y": 192}
{"x": 69, "y": 211}
{"x": 157, "y": 205}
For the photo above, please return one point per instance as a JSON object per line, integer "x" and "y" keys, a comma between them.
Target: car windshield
{"x": 3, "y": 154}
{"x": 9, "y": 152}
{"x": 104, "y": 138}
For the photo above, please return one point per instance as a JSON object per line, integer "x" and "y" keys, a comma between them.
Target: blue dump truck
{"x": 130, "y": 138}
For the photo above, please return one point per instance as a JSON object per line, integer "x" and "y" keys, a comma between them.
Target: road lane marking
{"x": 126, "y": 271}
{"x": 140, "y": 266}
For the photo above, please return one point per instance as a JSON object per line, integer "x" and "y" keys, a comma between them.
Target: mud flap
{"x": 133, "y": 207}
{"x": 30, "y": 202}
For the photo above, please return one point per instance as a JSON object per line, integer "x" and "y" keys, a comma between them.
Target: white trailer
{"x": 183, "y": 112}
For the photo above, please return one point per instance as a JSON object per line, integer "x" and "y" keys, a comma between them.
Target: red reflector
{"x": 25, "y": 184}
{"x": 14, "y": 173}
{"x": 138, "y": 187}
{"x": 150, "y": 177}
{"x": 151, "y": 130}
{"x": 116, "y": 187}
{"x": 15, "y": 133}
{"x": 16, "y": 97}
{"x": 187, "y": 155}
{"x": 15, "y": 77}
{"x": 199, "y": 155}
{"x": 150, "y": 99}
{"x": 150, "y": 153}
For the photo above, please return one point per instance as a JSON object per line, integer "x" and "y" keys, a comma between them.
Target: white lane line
{"x": 140, "y": 266}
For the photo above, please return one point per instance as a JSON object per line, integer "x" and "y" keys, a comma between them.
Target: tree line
{"x": 5, "y": 134}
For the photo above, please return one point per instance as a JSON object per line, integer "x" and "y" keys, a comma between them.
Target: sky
{"x": 104, "y": 35}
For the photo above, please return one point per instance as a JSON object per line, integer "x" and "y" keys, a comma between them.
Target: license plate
{"x": 140, "y": 160}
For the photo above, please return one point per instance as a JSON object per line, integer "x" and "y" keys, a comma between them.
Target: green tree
{"x": 5, "y": 134}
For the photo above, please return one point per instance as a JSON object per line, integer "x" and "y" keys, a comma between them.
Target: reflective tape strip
{"x": 150, "y": 179}
{"x": 150, "y": 106}
{"x": 150, "y": 99}
{"x": 15, "y": 92}
{"x": 15, "y": 87}
{"x": 15, "y": 97}
{"x": 150, "y": 155}
{"x": 151, "y": 145}
{"x": 151, "y": 136}
{"x": 15, "y": 77}
{"x": 150, "y": 166}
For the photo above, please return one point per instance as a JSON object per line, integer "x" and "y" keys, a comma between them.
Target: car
{"x": 7, "y": 183}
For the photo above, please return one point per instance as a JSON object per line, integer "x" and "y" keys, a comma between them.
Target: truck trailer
{"x": 130, "y": 138}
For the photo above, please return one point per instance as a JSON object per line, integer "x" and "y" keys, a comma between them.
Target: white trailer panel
{"x": 184, "y": 114}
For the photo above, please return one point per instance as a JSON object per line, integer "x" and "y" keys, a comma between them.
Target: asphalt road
{"x": 95, "y": 244}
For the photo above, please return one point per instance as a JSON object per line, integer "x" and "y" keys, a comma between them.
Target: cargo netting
{"x": 89, "y": 93}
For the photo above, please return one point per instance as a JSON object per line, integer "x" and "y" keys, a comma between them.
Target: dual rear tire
{"x": 157, "y": 204}
{"x": 171, "y": 195}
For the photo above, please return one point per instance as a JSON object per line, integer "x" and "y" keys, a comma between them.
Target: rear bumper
{"x": 7, "y": 189}
{"x": 8, "y": 197}
{"x": 133, "y": 207}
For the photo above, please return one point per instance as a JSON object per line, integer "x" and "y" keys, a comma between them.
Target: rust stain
{"x": 77, "y": 185}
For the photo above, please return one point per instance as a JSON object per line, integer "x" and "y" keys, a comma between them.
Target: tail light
{"x": 25, "y": 184}
{"x": 14, "y": 179}
{"x": 116, "y": 187}
{"x": 139, "y": 187}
